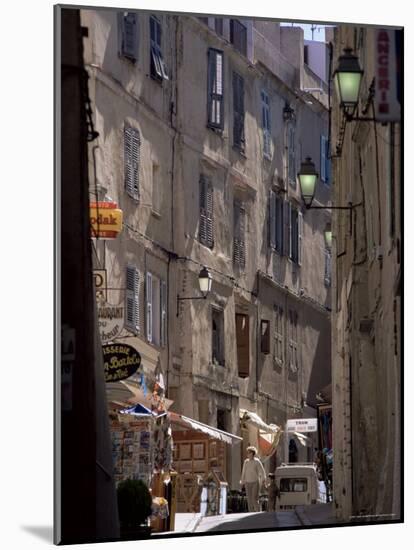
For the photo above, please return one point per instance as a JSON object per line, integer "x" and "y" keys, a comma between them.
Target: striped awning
{"x": 192, "y": 424}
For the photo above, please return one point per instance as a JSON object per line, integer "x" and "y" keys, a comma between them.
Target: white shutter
{"x": 163, "y": 301}
{"x": 300, "y": 235}
{"x": 131, "y": 299}
{"x": 132, "y": 146}
{"x": 148, "y": 297}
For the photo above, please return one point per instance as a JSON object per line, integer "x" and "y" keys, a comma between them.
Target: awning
{"x": 192, "y": 424}
{"x": 129, "y": 393}
{"x": 255, "y": 420}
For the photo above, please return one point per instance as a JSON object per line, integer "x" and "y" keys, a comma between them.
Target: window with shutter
{"x": 132, "y": 147}
{"x": 217, "y": 331}
{"x": 293, "y": 341}
{"x": 238, "y": 36}
{"x": 238, "y": 112}
{"x": 128, "y": 29}
{"x": 206, "y": 223}
{"x": 279, "y": 207}
{"x": 148, "y": 300}
{"x": 278, "y": 338}
{"x": 158, "y": 68}
{"x": 218, "y": 25}
{"x": 291, "y": 155}
{"x": 239, "y": 245}
{"x": 132, "y": 299}
{"x": 215, "y": 103}
{"x": 272, "y": 219}
{"x": 294, "y": 234}
{"x": 265, "y": 336}
{"x": 287, "y": 233}
{"x": 243, "y": 345}
{"x": 266, "y": 124}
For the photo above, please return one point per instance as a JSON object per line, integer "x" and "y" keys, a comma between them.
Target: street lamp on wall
{"x": 204, "y": 280}
{"x": 328, "y": 235}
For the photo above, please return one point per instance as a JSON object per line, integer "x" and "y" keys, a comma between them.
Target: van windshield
{"x": 293, "y": 485}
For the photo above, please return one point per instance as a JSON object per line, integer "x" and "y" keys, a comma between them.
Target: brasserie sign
{"x": 120, "y": 361}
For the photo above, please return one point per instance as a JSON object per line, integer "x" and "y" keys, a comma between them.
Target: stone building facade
{"x": 366, "y": 300}
{"x": 203, "y": 123}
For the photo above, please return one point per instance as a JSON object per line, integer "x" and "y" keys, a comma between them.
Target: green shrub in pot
{"x": 134, "y": 503}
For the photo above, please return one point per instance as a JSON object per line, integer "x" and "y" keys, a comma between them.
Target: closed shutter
{"x": 132, "y": 150}
{"x": 148, "y": 300}
{"x": 163, "y": 303}
{"x": 238, "y": 111}
{"x": 293, "y": 234}
{"x": 323, "y": 158}
{"x": 279, "y": 224}
{"x": 206, "y": 223}
{"x": 243, "y": 345}
{"x": 131, "y": 299}
{"x": 215, "y": 89}
{"x": 239, "y": 253}
{"x": 300, "y": 236}
{"x": 130, "y": 36}
{"x": 272, "y": 219}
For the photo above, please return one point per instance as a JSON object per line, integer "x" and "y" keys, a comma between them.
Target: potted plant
{"x": 134, "y": 508}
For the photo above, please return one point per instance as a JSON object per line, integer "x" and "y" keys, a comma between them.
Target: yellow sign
{"x": 106, "y": 220}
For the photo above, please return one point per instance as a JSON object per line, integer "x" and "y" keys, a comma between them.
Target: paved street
{"x": 239, "y": 522}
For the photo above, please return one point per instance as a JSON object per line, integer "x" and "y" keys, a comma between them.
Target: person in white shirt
{"x": 253, "y": 475}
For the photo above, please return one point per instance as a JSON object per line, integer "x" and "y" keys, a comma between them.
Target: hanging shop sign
{"x": 110, "y": 321}
{"x": 388, "y": 76}
{"x": 302, "y": 425}
{"x": 99, "y": 277}
{"x": 120, "y": 361}
{"x": 106, "y": 220}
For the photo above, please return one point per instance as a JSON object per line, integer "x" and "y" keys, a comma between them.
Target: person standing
{"x": 253, "y": 475}
{"x": 272, "y": 492}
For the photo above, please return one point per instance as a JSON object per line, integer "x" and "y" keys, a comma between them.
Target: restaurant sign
{"x": 120, "y": 361}
{"x": 110, "y": 321}
{"x": 302, "y": 425}
{"x": 106, "y": 220}
{"x": 388, "y": 76}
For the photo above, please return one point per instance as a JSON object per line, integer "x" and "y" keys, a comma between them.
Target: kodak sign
{"x": 106, "y": 220}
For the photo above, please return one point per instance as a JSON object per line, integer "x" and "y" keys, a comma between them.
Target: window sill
{"x": 218, "y": 131}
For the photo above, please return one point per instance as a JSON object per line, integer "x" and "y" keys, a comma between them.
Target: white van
{"x": 298, "y": 485}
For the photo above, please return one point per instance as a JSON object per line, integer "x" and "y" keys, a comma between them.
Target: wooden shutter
{"x": 130, "y": 36}
{"x": 272, "y": 219}
{"x": 265, "y": 336}
{"x": 132, "y": 151}
{"x": 215, "y": 88}
{"x": 131, "y": 299}
{"x": 238, "y": 111}
{"x": 300, "y": 236}
{"x": 287, "y": 236}
{"x": 163, "y": 316}
{"x": 239, "y": 254}
{"x": 206, "y": 223}
{"x": 243, "y": 345}
{"x": 279, "y": 224}
{"x": 148, "y": 300}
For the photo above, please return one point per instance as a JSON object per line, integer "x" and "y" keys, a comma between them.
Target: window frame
{"x": 218, "y": 315}
{"x": 212, "y": 94}
{"x": 158, "y": 70}
{"x": 239, "y": 137}
{"x": 238, "y": 36}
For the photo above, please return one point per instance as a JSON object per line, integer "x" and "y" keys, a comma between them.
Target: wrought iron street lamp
{"x": 204, "y": 280}
{"x": 328, "y": 235}
{"x": 347, "y": 78}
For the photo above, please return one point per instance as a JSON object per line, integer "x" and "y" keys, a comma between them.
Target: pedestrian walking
{"x": 272, "y": 493}
{"x": 252, "y": 478}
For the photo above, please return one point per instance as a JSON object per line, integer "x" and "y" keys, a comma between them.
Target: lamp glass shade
{"x": 307, "y": 180}
{"x": 347, "y": 86}
{"x": 328, "y": 236}
{"x": 204, "y": 280}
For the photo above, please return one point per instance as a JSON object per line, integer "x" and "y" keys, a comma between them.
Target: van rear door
{"x": 294, "y": 490}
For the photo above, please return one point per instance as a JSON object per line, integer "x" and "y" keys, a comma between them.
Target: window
{"x": 278, "y": 336}
{"x": 156, "y": 310}
{"x": 293, "y": 341}
{"x": 325, "y": 160}
{"x": 243, "y": 345}
{"x": 239, "y": 245}
{"x": 328, "y": 263}
{"x": 238, "y": 112}
{"x": 215, "y": 89}
{"x": 156, "y": 188}
{"x": 293, "y": 485}
{"x": 291, "y": 155}
{"x": 132, "y": 320}
{"x": 265, "y": 336}
{"x": 158, "y": 68}
{"x": 276, "y": 221}
{"x": 296, "y": 229}
{"x": 206, "y": 225}
{"x": 238, "y": 36}
{"x": 217, "y": 328}
{"x": 218, "y": 25}
{"x": 132, "y": 146}
{"x": 266, "y": 124}
{"x": 222, "y": 419}
{"x": 128, "y": 35}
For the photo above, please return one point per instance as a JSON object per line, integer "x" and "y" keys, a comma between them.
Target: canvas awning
{"x": 255, "y": 420}
{"x": 129, "y": 393}
{"x": 192, "y": 424}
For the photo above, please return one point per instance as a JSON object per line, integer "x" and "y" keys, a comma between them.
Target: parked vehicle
{"x": 298, "y": 485}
